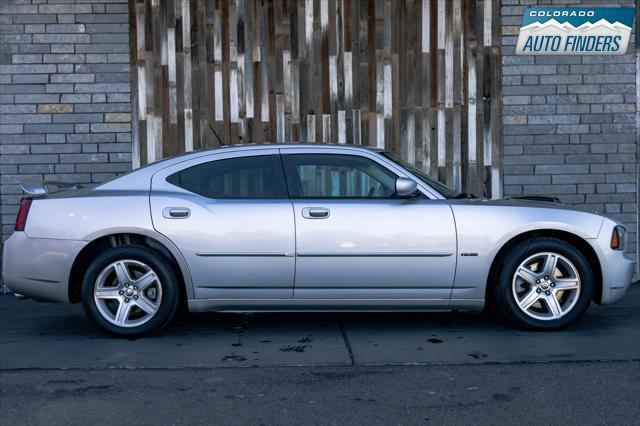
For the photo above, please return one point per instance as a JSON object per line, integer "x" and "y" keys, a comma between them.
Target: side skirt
{"x": 335, "y": 305}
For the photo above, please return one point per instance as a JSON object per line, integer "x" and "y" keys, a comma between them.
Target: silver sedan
{"x": 306, "y": 227}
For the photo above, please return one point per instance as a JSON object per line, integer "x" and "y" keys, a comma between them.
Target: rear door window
{"x": 253, "y": 177}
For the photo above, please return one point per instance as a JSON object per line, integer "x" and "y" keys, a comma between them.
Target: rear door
{"x": 230, "y": 216}
{"x": 356, "y": 240}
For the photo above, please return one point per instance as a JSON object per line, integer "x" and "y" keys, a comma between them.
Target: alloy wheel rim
{"x": 546, "y": 286}
{"x": 127, "y": 293}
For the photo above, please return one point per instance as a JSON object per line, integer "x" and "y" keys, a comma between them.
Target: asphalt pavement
{"x": 319, "y": 368}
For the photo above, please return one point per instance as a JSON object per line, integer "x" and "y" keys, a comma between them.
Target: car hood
{"x": 514, "y": 216}
{"x": 514, "y": 202}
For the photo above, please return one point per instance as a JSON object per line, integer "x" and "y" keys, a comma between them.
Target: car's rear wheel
{"x": 130, "y": 291}
{"x": 544, "y": 284}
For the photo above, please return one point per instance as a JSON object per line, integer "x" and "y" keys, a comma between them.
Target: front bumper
{"x": 617, "y": 267}
{"x": 617, "y": 273}
{"x": 39, "y": 267}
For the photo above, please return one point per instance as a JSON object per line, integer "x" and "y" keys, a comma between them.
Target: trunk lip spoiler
{"x": 47, "y": 187}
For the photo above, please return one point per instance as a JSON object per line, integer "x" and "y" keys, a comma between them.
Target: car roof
{"x": 311, "y": 145}
{"x": 253, "y": 146}
{"x": 137, "y": 177}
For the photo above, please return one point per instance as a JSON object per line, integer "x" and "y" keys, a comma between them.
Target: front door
{"x": 356, "y": 240}
{"x": 230, "y": 216}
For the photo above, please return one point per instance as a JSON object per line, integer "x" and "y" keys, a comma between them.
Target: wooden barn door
{"x": 420, "y": 78}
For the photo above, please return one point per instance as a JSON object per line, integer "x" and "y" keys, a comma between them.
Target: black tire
{"x": 503, "y": 299}
{"x": 168, "y": 304}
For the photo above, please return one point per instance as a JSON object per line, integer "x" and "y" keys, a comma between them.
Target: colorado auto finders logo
{"x": 575, "y": 31}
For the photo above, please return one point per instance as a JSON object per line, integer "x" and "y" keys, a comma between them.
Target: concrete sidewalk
{"x": 47, "y": 335}
{"x": 374, "y": 369}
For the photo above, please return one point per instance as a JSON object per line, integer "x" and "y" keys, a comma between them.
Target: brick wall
{"x": 569, "y": 123}
{"x": 64, "y": 94}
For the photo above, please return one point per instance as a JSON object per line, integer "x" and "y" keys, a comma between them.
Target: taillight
{"x": 617, "y": 238}
{"x": 21, "y": 220}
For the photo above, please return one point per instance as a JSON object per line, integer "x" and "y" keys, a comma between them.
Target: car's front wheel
{"x": 544, "y": 284}
{"x": 130, "y": 291}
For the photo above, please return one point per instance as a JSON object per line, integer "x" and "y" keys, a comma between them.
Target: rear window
{"x": 243, "y": 177}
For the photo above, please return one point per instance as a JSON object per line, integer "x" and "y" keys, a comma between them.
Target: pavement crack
{"x": 347, "y": 343}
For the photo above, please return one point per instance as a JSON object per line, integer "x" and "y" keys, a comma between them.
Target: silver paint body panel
{"x": 39, "y": 267}
{"x": 242, "y": 255}
{"x": 373, "y": 248}
{"x": 234, "y": 248}
{"x": 484, "y": 226}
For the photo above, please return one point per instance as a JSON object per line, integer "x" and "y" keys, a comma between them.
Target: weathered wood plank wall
{"x": 417, "y": 77}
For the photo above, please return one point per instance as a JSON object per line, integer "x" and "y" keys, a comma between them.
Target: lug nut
{"x": 553, "y": 284}
{"x": 546, "y": 278}
{"x": 135, "y": 297}
{"x": 135, "y": 287}
{"x": 126, "y": 284}
{"x": 538, "y": 290}
{"x": 121, "y": 292}
{"x": 537, "y": 281}
{"x": 547, "y": 293}
{"x": 126, "y": 300}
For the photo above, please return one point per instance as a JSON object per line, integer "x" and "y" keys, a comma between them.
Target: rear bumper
{"x": 39, "y": 267}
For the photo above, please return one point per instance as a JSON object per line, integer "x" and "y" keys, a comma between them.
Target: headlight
{"x": 618, "y": 237}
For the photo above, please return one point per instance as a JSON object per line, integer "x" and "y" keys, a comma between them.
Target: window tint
{"x": 338, "y": 176}
{"x": 243, "y": 177}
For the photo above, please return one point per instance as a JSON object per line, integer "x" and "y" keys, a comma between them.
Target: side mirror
{"x": 405, "y": 187}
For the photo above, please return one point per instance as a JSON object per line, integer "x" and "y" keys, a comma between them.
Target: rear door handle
{"x": 176, "y": 212}
{"x": 315, "y": 212}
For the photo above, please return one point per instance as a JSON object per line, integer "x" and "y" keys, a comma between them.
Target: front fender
{"x": 484, "y": 230}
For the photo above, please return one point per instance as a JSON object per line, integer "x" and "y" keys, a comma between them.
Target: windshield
{"x": 438, "y": 186}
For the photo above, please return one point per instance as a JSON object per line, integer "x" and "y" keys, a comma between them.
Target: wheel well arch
{"x": 98, "y": 245}
{"x": 573, "y": 239}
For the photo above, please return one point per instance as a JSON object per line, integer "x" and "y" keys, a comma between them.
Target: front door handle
{"x": 315, "y": 212}
{"x": 176, "y": 212}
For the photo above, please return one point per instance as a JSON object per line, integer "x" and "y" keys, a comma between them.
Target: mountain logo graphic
{"x": 575, "y": 31}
